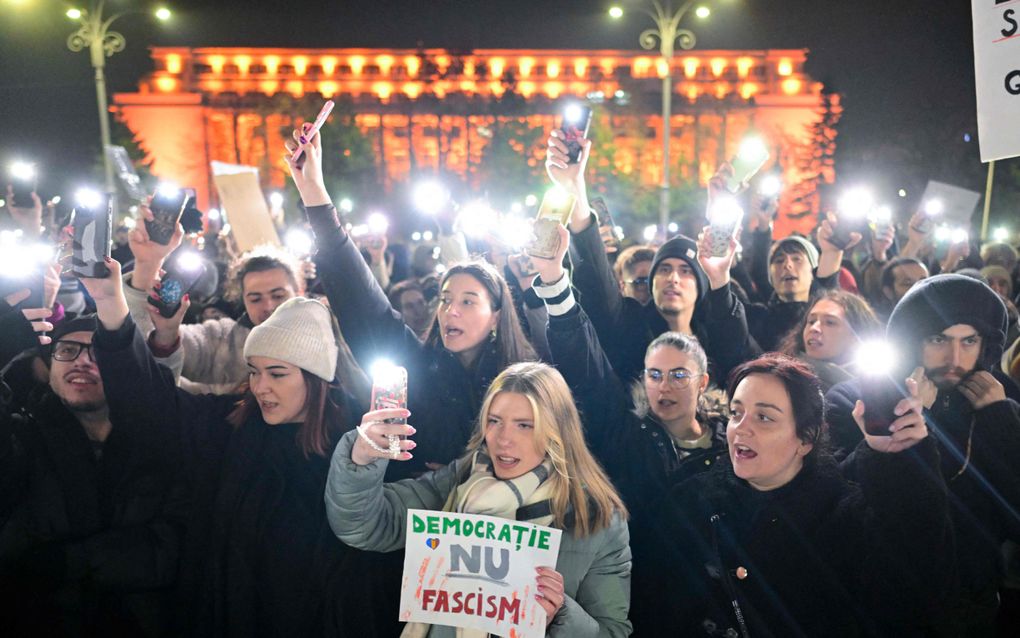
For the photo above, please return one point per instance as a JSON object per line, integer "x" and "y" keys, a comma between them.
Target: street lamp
{"x": 94, "y": 34}
{"x": 667, "y": 34}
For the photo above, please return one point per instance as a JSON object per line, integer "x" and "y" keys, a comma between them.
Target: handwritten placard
{"x": 997, "y": 72}
{"x": 475, "y": 572}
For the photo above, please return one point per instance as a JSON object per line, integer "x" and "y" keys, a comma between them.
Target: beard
{"x": 939, "y": 376}
{"x": 84, "y": 406}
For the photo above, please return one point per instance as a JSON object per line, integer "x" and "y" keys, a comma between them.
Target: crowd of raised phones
{"x": 693, "y": 423}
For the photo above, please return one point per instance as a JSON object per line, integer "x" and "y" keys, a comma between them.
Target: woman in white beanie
{"x": 475, "y": 333}
{"x": 260, "y": 552}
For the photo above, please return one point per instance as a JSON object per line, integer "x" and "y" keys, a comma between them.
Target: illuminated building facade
{"x": 429, "y": 110}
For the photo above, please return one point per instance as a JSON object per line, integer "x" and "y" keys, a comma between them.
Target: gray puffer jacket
{"x": 370, "y": 515}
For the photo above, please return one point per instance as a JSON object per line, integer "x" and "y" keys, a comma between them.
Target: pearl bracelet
{"x": 394, "y": 449}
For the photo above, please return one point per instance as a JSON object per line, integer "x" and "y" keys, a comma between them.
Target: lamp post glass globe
{"x": 74, "y": 14}
{"x": 163, "y": 14}
{"x": 615, "y": 13}
{"x": 702, "y": 12}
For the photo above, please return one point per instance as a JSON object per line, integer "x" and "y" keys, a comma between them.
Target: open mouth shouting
{"x": 742, "y": 452}
{"x": 506, "y": 463}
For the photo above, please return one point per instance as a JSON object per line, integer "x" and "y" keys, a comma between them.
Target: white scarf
{"x": 483, "y": 493}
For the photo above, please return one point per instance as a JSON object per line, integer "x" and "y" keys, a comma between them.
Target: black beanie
{"x": 81, "y": 323}
{"x": 938, "y": 302}
{"x": 684, "y": 248}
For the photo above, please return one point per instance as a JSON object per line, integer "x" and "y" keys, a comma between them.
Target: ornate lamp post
{"x": 94, "y": 34}
{"x": 667, "y": 35}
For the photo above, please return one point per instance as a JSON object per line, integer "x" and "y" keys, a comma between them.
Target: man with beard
{"x": 91, "y": 516}
{"x": 950, "y": 329}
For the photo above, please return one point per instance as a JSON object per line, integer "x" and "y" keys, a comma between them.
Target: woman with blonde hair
{"x": 528, "y": 461}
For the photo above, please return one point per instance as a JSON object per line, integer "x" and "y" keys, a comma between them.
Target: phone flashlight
{"x": 876, "y": 361}
{"x": 724, "y": 216}
{"x": 298, "y": 242}
{"x": 515, "y": 232}
{"x": 649, "y": 233}
{"x": 942, "y": 234}
{"x": 934, "y": 207}
{"x": 959, "y": 236}
{"x": 377, "y": 224}
{"x": 430, "y": 197}
{"x": 168, "y": 190}
{"x": 770, "y": 186}
{"x": 88, "y": 198}
{"x": 1001, "y": 234}
{"x": 572, "y": 114}
{"x": 856, "y": 203}
{"x": 22, "y": 171}
{"x": 477, "y": 219}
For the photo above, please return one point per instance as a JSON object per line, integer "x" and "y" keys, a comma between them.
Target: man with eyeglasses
{"x": 91, "y": 513}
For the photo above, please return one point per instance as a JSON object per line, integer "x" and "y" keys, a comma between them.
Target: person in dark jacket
{"x": 952, "y": 327}
{"x": 92, "y": 511}
{"x": 676, "y": 429}
{"x": 260, "y": 554}
{"x": 690, "y": 290}
{"x": 774, "y": 541}
{"x": 475, "y": 333}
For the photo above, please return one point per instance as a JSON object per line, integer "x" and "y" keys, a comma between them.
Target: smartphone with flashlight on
{"x": 389, "y": 389}
{"x": 574, "y": 125}
{"x": 880, "y": 393}
{"x": 724, "y": 217}
{"x": 181, "y": 274}
{"x": 554, "y": 211}
{"x": 22, "y": 176}
{"x": 92, "y": 225}
{"x": 167, "y": 206}
{"x": 750, "y": 158}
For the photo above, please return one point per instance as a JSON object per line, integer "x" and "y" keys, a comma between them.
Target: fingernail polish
{"x": 303, "y": 139}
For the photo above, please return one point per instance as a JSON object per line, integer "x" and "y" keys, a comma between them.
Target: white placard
{"x": 476, "y": 572}
{"x": 958, "y": 204}
{"x": 997, "y": 69}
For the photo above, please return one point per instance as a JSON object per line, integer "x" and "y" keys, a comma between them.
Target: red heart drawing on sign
{"x": 432, "y": 543}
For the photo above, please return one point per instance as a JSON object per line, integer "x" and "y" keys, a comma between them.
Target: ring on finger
{"x": 394, "y": 449}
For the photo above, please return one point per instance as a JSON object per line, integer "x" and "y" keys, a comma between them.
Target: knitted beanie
{"x": 795, "y": 242}
{"x": 686, "y": 249}
{"x": 299, "y": 332}
{"x": 938, "y": 302}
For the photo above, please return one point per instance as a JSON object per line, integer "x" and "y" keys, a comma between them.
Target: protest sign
{"x": 957, "y": 203}
{"x": 997, "y": 73}
{"x": 475, "y": 572}
{"x": 245, "y": 206}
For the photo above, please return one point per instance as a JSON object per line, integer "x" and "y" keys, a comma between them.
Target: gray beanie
{"x": 800, "y": 243}
{"x": 299, "y": 332}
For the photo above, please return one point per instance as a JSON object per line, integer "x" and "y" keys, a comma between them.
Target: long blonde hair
{"x": 578, "y": 482}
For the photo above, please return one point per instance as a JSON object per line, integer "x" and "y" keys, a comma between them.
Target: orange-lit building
{"x": 429, "y": 109}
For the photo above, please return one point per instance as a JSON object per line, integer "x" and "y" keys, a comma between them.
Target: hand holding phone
{"x": 92, "y": 225}
{"x": 750, "y": 158}
{"x": 22, "y": 178}
{"x": 182, "y": 273}
{"x": 553, "y": 212}
{"x": 167, "y": 206}
{"x": 389, "y": 390}
{"x": 574, "y": 124}
{"x": 724, "y": 217}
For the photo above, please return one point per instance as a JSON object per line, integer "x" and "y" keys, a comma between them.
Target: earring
{"x": 492, "y": 335}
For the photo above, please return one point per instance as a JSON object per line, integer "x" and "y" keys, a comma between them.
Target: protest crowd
{"x": 694, "y": 416}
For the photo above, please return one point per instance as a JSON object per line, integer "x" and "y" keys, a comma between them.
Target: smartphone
{"x": 845, "y": 224}
{"x": 389, "y": 390}
{"x": 605, "y": 218}
{"x": 724, "y": 219}
{"x": 92, "y": 223}
{"x": 167, "y": 207}
{"x": 574, "y": 125}
{"x": 880, "y": 395}
{"x": 750, "y": 158}
{"x": 23, "y": 182}
{"x": 181, "y": 276}
{"x": 554, "y": 211}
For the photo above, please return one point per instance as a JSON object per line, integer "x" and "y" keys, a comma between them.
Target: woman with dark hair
{"x": 259, "y": 551}
{"x": 776, "y": 541}
{"x": 475, "y": 333}
{"x": 828, "y": 335}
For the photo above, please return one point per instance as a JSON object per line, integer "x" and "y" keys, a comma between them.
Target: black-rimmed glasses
{"x": 71, "y": 350}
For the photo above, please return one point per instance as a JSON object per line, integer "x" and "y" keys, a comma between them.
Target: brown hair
{"x": 859, "y": 315}
{"x": 579, "y": 483}
{"x": 512, "y": 346}
{"x": 631, "y": 256}
{"x": 261, "y": 259}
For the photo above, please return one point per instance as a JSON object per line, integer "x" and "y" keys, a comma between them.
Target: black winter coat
{"x": 819, "y": 556}
{"x": 260, "y": 556}
{"x": 444, "y": 398}
{"x": 90, "y": 537}
{"x": 985, "y": 497}
{"x": 637, "y": 451}
{"x": 625, "y": 327}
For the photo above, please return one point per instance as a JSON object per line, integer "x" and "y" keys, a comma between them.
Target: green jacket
{"x": 370, "y": 515}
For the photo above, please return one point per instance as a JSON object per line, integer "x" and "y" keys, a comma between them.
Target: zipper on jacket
{"x": 727, "y": 579}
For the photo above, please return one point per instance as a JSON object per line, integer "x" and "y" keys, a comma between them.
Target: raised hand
{"x": 376, "y": 437}
{"x": 551, "y": 270}
{"x": 167, "y": 329}
{"x": 307, "y": 169}
{"x": 149, "y": 255}
{"x": 716, "y": 268}
{"x": 35, "y": 316}
{"x": 108, "y": 293}
{"x": 907, "y": 430}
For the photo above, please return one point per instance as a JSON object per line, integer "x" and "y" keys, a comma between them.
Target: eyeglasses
{"x": 638, "y": 281}
{"x": 679, "y": 377}
{"x": 71, "y": 350}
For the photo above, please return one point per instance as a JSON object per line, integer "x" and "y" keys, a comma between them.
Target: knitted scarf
{"x": 483, "y": 493}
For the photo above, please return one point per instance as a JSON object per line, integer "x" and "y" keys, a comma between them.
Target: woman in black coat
{"x": 475, "y": 334}
{"x": 259, "y": 553}
{"x": 774, "y": 541}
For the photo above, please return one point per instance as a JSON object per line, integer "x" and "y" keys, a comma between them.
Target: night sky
{"x": 904, "y": 68}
